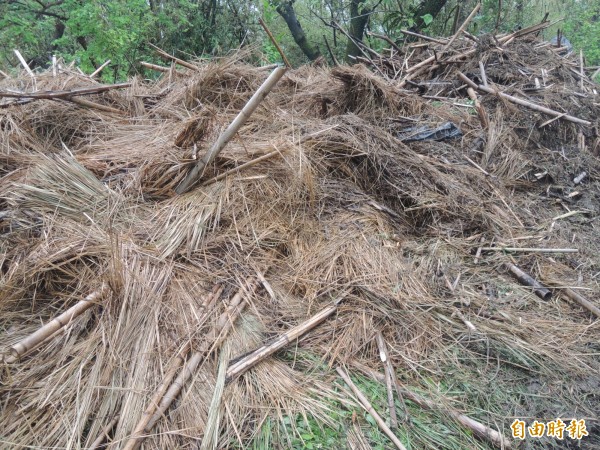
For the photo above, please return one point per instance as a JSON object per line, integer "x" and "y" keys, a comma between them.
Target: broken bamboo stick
{"x": 52, "y": 95}
{"x": 100, "y": 69}
{"x": 364, "y": 402}
{"x": 137, "y": 437}
{"x": 103, "y": 434}
{"x": 524, "y": 278}
{"x": 247, "y": 362}
{"x": 242, "y": 166}
{"x": 424, "y": 37}
{"x": 24, "y": 63}
{"x": 192, "y": 177}
{"x": 479, "y": 107}
{"x": 181, "y": 62}
{"x": 88, "y": 104}
{"x": 522, "y": 102}
{"x": 215, "y": 336}
{"x": 42, "y": 334}
{"x": 582, "y": 301}
{"x": 389, "y": 375}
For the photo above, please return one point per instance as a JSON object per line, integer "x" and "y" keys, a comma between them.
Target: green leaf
{"x": 427, "y": 18}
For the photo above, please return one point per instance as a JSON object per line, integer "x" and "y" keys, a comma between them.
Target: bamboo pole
{"x": 158, "y": 68}
{"x": 530, "y": 249}
{"x": 249, "y": 361}
{"x": 524, "y": 278}
{"x": 100, "y": 69}
{"x": 522, "y": 102}
{"x": 215, "y": 337}
{"x": 51, "y": 95}
{"x": 272, "y": 38}
{"x": 231, "y": 130}
{"x": 462, "y": 27}
{"x": 481, "y": 430}
{"x": 364, "y": 402}
{"x": 422, "y": 36}
{"x": 137, "y": 437}
{"x": 584, "y": 302}
{"x": 42, "y": 334}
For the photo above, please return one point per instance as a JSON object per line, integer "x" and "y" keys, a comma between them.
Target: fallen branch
{"x": 42, "y": 334}
{"x": 52, "y": 95}
{"x": 524, "y": 278}
{"x": 247, "y": 362}
{"x": 364, "y": 402}
{"x": 232, "y": 129}
{"x": 522, "y": 102}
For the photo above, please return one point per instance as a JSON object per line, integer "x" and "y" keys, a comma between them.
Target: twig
{"x": 242, "y": 166}
{"x": 181, "y": 62}
{"x": 100, "y": 69}
{"x": 51, "y": 95}
{"x": 247, "y": 362}
{"x": 477, "y": 166}
{"x": 522, "y": 102}
{"x": 386, "y": 39}
{"x": 333, "y": 58}
{"x": 364, "y": 402}
{"x": 24, "y": 63}
{"x": 524, "y": 278}
{"x": 232, "y": 129}
{"x": 478, "y": 252}
{"x": 462, "y": 27}
{"x": 424, "y": 37}
{"x": 272, "y": 38}
{"x": 157, "y": 67}
{"x": 385, "y": 359}
{"x": 38, "y": 337}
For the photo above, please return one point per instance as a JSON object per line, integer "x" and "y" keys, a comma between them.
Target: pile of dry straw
{"x": 342, "y": 216}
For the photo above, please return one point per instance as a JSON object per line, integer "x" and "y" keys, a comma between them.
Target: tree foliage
{"x": 92, "y": 31}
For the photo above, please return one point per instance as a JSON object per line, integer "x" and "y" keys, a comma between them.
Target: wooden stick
{"x": 462, "y": 27}
{"x": 522, "y": 102}
{"x": 42, "y": 334}
{"x": 137, "y": 436}
{"x": 524, "y": 278}
{"x": 480, "y": 111}
{"x": 578, "y": 298}
{"x": 483, "y": 75}
{"x": 364, "y": 402}
{"x": 247, "y": 362}
{"x": 242, "y": 166}
{"x": 216, "y": 335}
{"x": 54, "y": 68}
{"x": 181, "y": 62}
{"x": 51, "y": 95}
{"x": 232, "y": 129}
{"x": 272, "y": 38}
{"x": 530, "y": 249}
{"x": 389, "y": 375}
{"x": 100, "y": 69}
{"x": 103, "y": 434}
{"x": 87, "y": 103}
{"x": 478, "y": 428}
{"x": 24, "y": 63}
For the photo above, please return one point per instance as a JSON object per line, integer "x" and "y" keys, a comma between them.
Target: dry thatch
{"x": 344, "y": 209}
